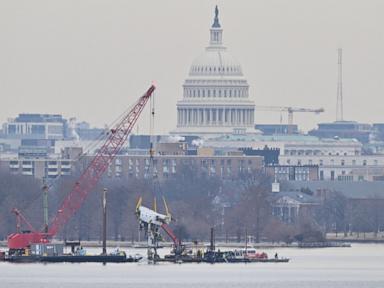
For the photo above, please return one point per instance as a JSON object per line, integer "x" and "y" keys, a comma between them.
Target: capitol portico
{"x": 215, "y": 94}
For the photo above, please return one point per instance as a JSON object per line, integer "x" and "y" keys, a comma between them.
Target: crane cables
{"x": 52, "y": 182}
{"x": 94, "y": 143}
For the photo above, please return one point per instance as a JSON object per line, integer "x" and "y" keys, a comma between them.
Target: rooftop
{"x": 351, "y": 190}
{"x": 280, "y": 138}
{"x": 295, "y": 195}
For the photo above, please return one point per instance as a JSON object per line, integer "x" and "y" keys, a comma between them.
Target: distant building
{"x": 341, "y": 167}
{"x": 36, "y": 126}
{"x": 378, "y": 130}
{"x": 271, "y": 155}
{"x": 36, "y": 148}
{"x": 337, "y": 159}
{"x": 227, "y": 167}
{"x": 90, "y": 133}
{"x": 289, "y": 145}
{"x": 169, "y": 159}
{"x": 38, "y": 168}
{"x": 138, "y": 166}
{"x": 353, "y": 190}
{"x": 343, "y": 129}
{"x": 144, "y": 141}
{"x": 215, "y": 94}
{"x": 276, "y": 129}
{"x": 293, "y": 172}
{"x": 291, "y": 206}
{"x": 376, "y": 143}
{"x": 361, "y": 203}
{"x": 4, "y": 147}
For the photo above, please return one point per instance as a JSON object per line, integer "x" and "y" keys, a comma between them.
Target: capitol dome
{"x": 215, "y": 61}
{"x": 215, "y": 93}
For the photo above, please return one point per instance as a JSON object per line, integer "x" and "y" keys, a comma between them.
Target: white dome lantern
{"x": 215, "y": 99}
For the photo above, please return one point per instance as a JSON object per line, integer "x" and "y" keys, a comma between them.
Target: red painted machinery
{"x": 85, "y": 184}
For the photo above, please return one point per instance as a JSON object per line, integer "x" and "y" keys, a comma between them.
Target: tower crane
{"x": 290, "y": 111}
{"x": 115, "y": 140}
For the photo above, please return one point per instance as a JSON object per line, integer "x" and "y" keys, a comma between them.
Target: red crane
{"x": 176, "y": 241}
{"x": 88, "y": 179}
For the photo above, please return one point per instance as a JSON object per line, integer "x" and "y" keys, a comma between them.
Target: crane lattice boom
{"x": 290, "y": 111}
{"x": 99, "y": 164}
{"x": 88, "y": 179}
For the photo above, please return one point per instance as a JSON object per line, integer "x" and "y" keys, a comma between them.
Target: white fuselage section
{"x": 151, "y": 217}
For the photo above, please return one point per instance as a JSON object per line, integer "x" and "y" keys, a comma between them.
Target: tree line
{"x": 236, "y": 208}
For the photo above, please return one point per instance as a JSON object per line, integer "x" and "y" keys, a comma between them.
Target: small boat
{"x": 250, "y": 254}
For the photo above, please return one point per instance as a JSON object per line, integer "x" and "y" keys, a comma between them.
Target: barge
{"x": 54, "y": 253}
{"x": 72, "y": 259}
{"x": 235, "y": 256}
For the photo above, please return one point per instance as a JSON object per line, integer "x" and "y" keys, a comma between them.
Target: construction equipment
{"x": 115, "y": 140}
{"x": 290, "y": 111}
{"x": 19, "y": 241}
{"x": 151, "y": 221}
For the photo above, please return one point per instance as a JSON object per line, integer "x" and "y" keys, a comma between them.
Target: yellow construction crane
{"x": 290, "y": 111}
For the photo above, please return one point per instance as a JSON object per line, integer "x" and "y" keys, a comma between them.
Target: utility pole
{"x": 246, "y": 241}
{"x": 212, "y": 246}
{"x": 45, "y": 207}
{"x": 104, "y": 203}
{"x": 339, "y": 102}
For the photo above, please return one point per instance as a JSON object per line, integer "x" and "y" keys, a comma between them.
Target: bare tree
{"x": 333, "y": 213}
{"x": 252, "y": 211}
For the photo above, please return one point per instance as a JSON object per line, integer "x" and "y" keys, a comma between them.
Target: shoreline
{"x": 330, "y": 239}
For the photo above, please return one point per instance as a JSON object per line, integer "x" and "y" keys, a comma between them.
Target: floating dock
{"x": 72, "y": 259}
{"x": 236, "y": 256}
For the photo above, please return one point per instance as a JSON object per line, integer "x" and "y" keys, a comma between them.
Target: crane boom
{"x": 290, "y": 111}
{"x": 21, "y": 219}
{"x": 88, "y": 179}
{"x": 172, "y": 235}
{"x": 99, "y": 164}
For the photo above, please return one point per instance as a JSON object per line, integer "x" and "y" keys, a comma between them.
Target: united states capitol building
{"x": 216, "y": 114}
{"x": 215, "y": 94}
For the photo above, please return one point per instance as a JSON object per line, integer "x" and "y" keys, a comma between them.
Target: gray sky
{"x": 93, "y": 59}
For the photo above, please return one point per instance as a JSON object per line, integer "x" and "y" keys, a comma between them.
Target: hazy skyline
{"x": 93, "y": 59}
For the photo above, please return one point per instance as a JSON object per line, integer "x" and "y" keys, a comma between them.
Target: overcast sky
{"x": 93, "y": 59}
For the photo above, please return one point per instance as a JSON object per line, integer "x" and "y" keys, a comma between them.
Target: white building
{"x": 215, "y": 94}
{"x": 338, "y": 159}
{"x": 35, "y": 126}
{"x": 290, "y": 146}
{"x": 341, "y": 167}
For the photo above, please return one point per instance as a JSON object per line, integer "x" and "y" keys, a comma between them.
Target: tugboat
{"x": 250, "y": 255}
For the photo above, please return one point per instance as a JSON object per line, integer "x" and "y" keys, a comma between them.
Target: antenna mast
{"x": 339, "y": 102}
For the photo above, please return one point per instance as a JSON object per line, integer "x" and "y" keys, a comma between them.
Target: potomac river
{"x": 360, "y": 266}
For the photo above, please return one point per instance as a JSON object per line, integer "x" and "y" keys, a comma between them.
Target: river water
{"x": 361, "y": 266}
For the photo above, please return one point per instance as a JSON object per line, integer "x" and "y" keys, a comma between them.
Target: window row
{"x": 332, "y": 162}
{"x": 207, "y": 93}
{"x": 214, "y": 69}
{"x": 309, "y": 152}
